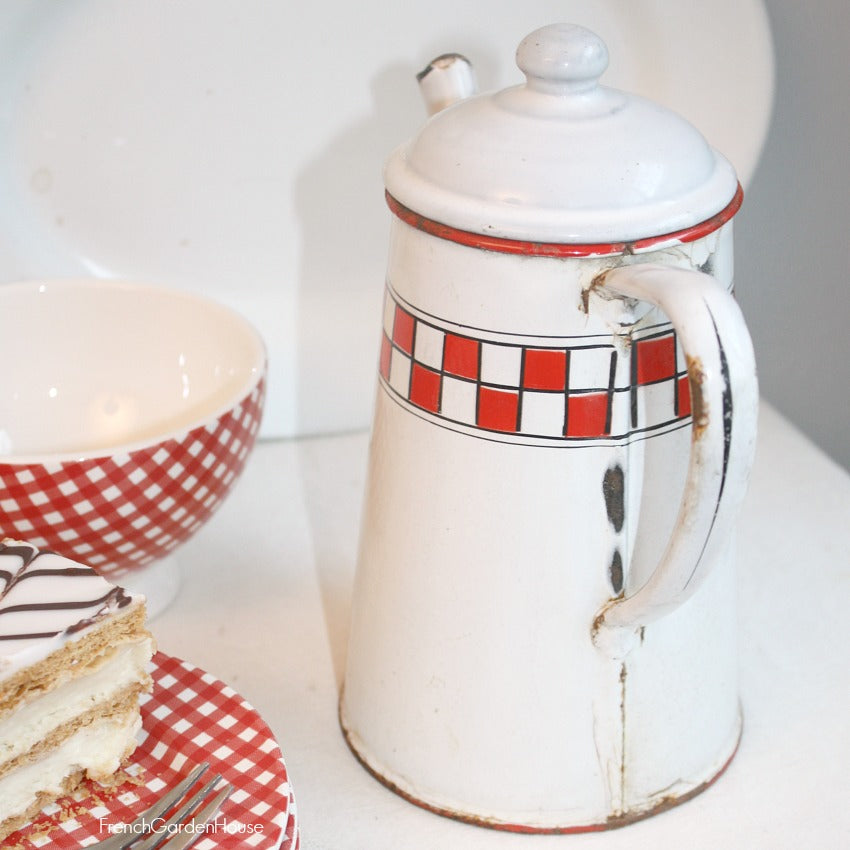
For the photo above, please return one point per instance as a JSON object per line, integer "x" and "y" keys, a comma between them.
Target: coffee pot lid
{"x": 561, "y": 158}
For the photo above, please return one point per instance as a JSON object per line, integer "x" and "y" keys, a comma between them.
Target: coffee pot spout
{"x": 446, "y": 80}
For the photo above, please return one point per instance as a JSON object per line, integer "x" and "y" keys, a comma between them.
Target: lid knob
{"x": 562, "y": 59}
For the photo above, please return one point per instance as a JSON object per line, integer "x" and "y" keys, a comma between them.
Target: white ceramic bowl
{"x": 127, "y": 412}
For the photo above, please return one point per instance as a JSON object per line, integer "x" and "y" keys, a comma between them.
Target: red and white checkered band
{"x": 191, "y": 717}
{"x": 553, "y": 391}
{"x": 120, "y": 512}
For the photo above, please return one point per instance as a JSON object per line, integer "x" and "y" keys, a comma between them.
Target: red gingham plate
{"x": 291, "y": 838}
{"x": 190, "y": 717}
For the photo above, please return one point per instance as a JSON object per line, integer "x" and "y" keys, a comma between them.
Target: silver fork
{"x": 140, "y": 834}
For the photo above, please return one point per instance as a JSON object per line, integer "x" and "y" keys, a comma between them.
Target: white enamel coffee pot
{"x": 543, "y": 620}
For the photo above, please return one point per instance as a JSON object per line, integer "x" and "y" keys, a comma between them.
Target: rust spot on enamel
{"x": 699, "y": 407}
{"x": 597, "y": 283}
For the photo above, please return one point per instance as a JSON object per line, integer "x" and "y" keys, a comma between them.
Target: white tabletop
{"x": 265, "y": 603}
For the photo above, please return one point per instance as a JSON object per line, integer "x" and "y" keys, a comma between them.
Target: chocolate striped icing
{"x": 45, "y": 600}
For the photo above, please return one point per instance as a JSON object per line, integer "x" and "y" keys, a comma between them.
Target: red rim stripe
{"x": 562, "y": 249}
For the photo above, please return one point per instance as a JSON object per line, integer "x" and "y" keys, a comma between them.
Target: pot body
{"x": 530, "y": 448}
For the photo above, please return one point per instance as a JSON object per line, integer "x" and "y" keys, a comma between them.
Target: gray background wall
{"x": 792, "y": 260}
{"x": 792, "y": 237}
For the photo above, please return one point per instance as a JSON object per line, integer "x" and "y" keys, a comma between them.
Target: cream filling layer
{"x": 97, "y": 748}
{"x": 34, "y": 721}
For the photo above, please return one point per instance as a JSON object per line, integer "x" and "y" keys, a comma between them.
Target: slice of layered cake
{"x": 73, "y": 656}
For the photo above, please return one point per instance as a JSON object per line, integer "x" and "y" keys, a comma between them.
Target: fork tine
{"x": 125, "y": 838}
{"x": 150, "y": 842}
{"x": 176, "y": 793}
{"x": 188, "y": 837}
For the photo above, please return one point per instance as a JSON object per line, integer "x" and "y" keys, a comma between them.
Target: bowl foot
{"x": 159, "y": 582}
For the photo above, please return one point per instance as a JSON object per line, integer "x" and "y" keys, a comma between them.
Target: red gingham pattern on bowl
{"x": 189, "y": 718}
{"x": 119, "y": 512}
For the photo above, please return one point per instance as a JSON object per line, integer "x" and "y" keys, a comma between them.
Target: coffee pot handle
{"x": 724, "y": 404}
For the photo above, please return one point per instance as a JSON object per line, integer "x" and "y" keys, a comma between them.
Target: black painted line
{"x": 612, "y": 370}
